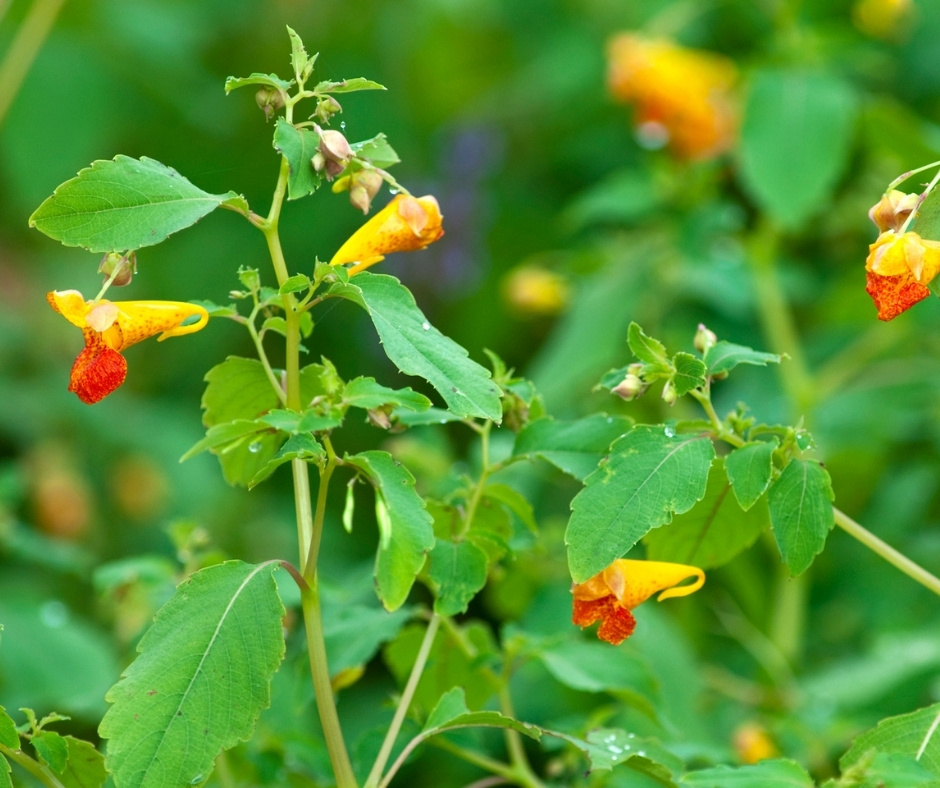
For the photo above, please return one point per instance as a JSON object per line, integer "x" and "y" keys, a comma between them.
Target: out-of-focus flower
{"x": 899, "y": 268}
{"x": 536, "y": 291}
{"x": 881, "y": 18}
{"x": 892, "y": 210}
{"x": 110, "y": 327}
{"x": 609, "y": 596}
{"x": 62, "y": 500}
{"x": 752, "y": 743}
{"x": 684, "y": 95}
{"x": 404, "y": 225}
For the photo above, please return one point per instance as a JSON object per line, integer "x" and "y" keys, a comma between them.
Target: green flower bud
{"x": 704, "y": 339}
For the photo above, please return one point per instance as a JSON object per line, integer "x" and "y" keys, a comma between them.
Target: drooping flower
{"x": 892, "y": 210}
{"x": 899, "y": 268}
{"x": 404, "y": 225}
{"x": 682, "y": 96}
{"x": 110, "y": 327}
{"x": 610, "y": 595}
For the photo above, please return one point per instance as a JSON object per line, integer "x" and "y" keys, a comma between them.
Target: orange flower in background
{"x": 609, "y": 596}
{"x": 404, "y": 225}
{"x": 899, "y": 268}
{"x": 685, "y": 94}
{"x": 110, "y": 327}
{"x": 536, "y": 291}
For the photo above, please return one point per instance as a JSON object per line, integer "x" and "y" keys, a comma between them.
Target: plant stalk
{"x": 375, "y": 775}
{"x": 26, "y": 45}
{"x": 41, "y": 772}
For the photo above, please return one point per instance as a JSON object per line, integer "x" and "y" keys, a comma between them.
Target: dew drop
{"x": 343, "y": 125}
{"x": 670, "y": 431}
{"x": 426, "y": 325}
{"x": 393, "y": 191}
{"x": 255, "y": 447}
{"x": 641, "y": 753}
{"x": 615, "y": 750}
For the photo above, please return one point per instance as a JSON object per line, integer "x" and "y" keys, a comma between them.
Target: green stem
{"x": 263, "y": 358}
{"x": 22, "y": 52}
{"x": 484, "y": 475}
{"x": 522, "y": 769}
{"x": 476, "y": 758}
{"x": 39, "y": 771}
{"x": 888, "y": 553}
{"x": 323, "y": 689}
{"x": 375, "y": 775}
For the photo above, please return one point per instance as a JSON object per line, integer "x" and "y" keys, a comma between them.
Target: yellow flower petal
{"x": 633, "y": 582}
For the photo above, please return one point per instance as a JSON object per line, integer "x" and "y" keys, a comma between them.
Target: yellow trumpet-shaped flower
{"x": 110, "y": 327}
{"x": 899, "y": 268}
{"x": 610, "y": 595}
{"x": 404, "y": 225}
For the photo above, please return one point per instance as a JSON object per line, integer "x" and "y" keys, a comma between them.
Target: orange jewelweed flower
{"x": 899, "y": 268}
{"x": 109, "y": 327}
{"x": 609, "y": 596}
{"x": 404, "y": 225}
{"x": 892, "y": 210}
{"x": 685, "y": 92}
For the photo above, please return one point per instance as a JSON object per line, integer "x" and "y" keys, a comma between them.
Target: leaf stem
{"x": 375, "y": 775}
{"x": 38, "y": 770}
{"x": 484, "y": 475}
{"x": 22, "y": 52}
{"x": 313, "y": 546}
{"x": 263, "y": 357}
{"x": 888, "y": 553}
{"x": 477, "y": 759}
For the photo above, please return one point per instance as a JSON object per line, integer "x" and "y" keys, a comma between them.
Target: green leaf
{"x": 295, "y": 284}
{"x": 126, "y": 204}
{"x": 766, "y": 774}
{"x": 713, "y": 531}
{"x": 200, "y": 680}
{"x": 916, "y": 734}
{"x": 459, "y": 570}
{"x": 85, "y": 766}
{"x": 377, "y": 151}
{"x": 791, "y": 161}
{"x": 354, "y": 633}
{"x": 298, "y": 146}
{"x": 347, "y": 86}
{"x": 223, "y": 435}
{"x": 927, "y": 221}
{"x": 401, "y": 555}
{"x": 297, "y": 447}
{"x": 801, "y": 512}
{"x": 52, "y": 749}
{"x": 608, "y": 747}
{"x": 216, "y": 310}
{"x": 589, "y": 667}
{"x": 299, "y": 59}
{"x": 451, "y": 712}
{"x": 690, "y": 373}
{"x": 417, "y": 348}
{"x": 367, "y": 394}
{"x": 314, "y": 421}
{"x": 515, "y": 501}
{"x": 644, "y": 347}
{"x": 430, "y": 416}
{"x": 265, "y": 80}
{"x": 8, "y": 735}
{"x": 5, "y": 780}
{"x": 725, "y": 356}
{"x": 884, "y": 770}
{"x": 575, "y": 447}
{"x": 749, "y": 469}
{"x": 648, "y": 476}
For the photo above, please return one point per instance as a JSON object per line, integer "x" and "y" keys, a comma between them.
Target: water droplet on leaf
{"x": 254, "y": 447}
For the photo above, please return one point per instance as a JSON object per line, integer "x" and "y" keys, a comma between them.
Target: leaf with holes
{"x": 126, "y": 204}
{"x": 200, "y": 680}
{"x": 648, "y": 476}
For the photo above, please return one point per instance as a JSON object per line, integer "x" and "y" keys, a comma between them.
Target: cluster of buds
{"x": 632, "y": 386}
{"x": 327, "y": 107}
{"x": 334, "y": 153}
{"x": 362, "y": 185}
{"x": 269, "y": 101}
{"x": 118, "y": 268}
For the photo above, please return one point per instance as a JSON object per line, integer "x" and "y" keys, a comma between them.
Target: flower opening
{"x": 610, "y": 595}
{"x": 899, "y": 268}
{"x": 404, "y": 225}
{"x": 110, "y": 327}
{"x": 684, "y": 94}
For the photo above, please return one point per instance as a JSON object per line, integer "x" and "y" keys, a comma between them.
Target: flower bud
{"x": 669, "y": 393}
{"x": 318, "y": 162}
{"x": 119, "y": 268}
{"x": 892, "y": 210}
{"x": 365, "y": 184}
{"x": 326, "y": 108}
{"x": 629, "y": 388}
{"x": 269, "y": 101}
{"x": 704, "y": 339}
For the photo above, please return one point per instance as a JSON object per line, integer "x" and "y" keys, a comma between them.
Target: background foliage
{"x": 499, "y": 109}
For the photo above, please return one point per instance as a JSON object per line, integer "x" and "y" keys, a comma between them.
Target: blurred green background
{"x": 500, "y": 109}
